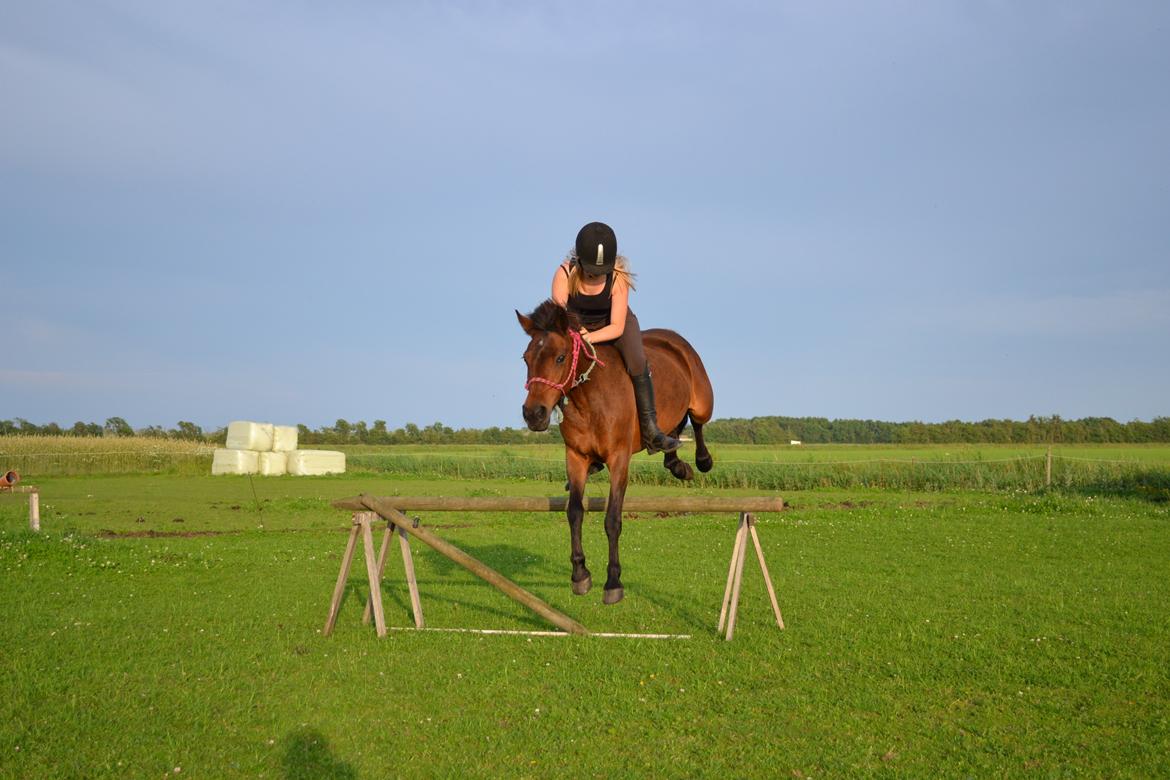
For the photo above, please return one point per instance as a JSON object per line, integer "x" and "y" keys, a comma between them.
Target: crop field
{"x": 169, "y": 624}
{"x": 1092, "y": 469}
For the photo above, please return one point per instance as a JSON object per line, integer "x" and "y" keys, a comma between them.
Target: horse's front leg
{"x": 619, "y": 474}
{"x": 577, "y": 466}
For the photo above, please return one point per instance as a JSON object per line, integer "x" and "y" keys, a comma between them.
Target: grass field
{"x": 169, "y": 625}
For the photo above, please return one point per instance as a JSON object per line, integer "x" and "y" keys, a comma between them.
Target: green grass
{"x": 951, "y": 634}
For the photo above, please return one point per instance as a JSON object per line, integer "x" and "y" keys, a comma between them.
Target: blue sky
{"x": 297, "y": 212}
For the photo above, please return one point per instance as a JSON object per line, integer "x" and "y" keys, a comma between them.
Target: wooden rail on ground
{"x": 367, "y": 508}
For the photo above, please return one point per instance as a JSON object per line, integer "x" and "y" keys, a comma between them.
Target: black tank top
{"x": 592, "y": 310}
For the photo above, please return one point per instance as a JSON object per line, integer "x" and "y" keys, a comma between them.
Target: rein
{"x": 564, "y": 386}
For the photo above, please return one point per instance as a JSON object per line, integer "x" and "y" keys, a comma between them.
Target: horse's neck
{"x": 587, "y": 394}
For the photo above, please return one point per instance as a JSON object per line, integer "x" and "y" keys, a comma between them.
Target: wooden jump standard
{"x": 367, "y": 509}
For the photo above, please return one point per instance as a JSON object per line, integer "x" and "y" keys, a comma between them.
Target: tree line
{"x": 341, "y": 432}
{"x": 756, "y": 430}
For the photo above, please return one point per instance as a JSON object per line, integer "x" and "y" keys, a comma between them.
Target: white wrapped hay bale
{"x": 314, "y": 462}
{"x": 234, "y": 462}
{"x": 244, "y": 435}
{"x": 284, "y": 438}
{"x": 273, "y": 464}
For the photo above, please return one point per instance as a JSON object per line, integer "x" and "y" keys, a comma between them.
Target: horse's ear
{"x": 525, "y": 322}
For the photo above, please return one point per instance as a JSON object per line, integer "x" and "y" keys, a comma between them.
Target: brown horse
{"x": 600, "y": 424}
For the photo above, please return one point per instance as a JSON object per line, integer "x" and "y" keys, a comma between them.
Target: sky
{"x": 298, "y": 212}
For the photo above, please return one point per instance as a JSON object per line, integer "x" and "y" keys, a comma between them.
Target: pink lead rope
{"x": 578, "y": 345}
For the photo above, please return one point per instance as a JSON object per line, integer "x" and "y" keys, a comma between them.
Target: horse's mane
{"x": 550, "y": 316}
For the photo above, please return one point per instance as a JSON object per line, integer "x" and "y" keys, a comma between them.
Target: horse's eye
{"x": 560, "y": 359}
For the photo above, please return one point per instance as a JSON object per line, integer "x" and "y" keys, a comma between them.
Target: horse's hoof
{"x": 682, "y": 471}
{"x": 613, "y": 596}
{"x": 704, "y": 463}
{"x": 582, "y": 587}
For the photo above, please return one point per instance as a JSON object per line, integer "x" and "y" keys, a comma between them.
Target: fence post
{"x": 1048, "y": 468}
{"x": 34, "y": 511}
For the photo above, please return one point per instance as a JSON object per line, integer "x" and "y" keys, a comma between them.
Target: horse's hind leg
{"x": 703, "y": 458}
{"x": 672, "y": 462}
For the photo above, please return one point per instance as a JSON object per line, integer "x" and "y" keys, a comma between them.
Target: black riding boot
{"x": 653, "y": 439}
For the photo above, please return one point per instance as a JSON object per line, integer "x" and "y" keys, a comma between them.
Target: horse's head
{"x": 549, "y": 358}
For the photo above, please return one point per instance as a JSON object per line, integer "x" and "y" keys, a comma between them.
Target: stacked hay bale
{"x": 271, "y": 450}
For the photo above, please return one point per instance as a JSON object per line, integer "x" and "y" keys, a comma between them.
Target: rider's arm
{"x": 560, "y": 285}
{"x": 619, "y": 298}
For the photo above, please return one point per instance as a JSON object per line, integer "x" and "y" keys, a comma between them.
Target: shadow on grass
{"x": 509, "y": 560}
{"x": 307, "y": 757}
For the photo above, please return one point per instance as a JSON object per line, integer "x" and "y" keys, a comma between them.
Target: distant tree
{"x": 341, "y": 430}
{"x": 116, "y": 426}
{"x": 188, "y": 430}
{"x": 8, "y": 428}
{"x": 412, "y": 432}
{"x": 153, "y": 432}
{"x": 436, "y": 433}
{"x": 379, "y": 434}
{"x": 361, "y": 432}
{"x": 86, "y": 429}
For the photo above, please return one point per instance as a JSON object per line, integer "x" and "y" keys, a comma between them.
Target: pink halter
{"x": 578, "y": 345}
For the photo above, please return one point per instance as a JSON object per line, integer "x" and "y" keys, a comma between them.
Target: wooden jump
{"x": 561, "y": 503}
{"x": 367, "y": 509}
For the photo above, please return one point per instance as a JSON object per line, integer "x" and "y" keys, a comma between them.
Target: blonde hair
{"x": 621, "y": 272}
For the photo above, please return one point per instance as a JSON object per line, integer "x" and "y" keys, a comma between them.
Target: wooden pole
{"x": 560, "y": 503}
{"x": 365, "y": 518}
{"x": 369, "y": 611}
{"x": 342, "y": 576}
{"x": 387, "y": 510}
{"x": 731, "y": 572}
{"x": 411, "y": 581}
{"x": 764, "y": 569}
{"x": 1048, "y": 468}
{"x": 34, "y": 511}
{"x": 741, "y": 554}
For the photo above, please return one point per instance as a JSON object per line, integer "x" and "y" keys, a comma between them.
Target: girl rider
{"x": 594, "y": 283}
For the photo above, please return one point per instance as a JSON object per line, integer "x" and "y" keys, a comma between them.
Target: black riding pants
{"x": 629, "y": 345}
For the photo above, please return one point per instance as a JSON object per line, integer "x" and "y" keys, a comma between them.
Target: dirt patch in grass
{"x": 845, "y": 505}
{"x": 106, "y": 533}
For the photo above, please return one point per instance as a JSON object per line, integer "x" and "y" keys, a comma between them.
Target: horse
{"x": 600, "y": 421}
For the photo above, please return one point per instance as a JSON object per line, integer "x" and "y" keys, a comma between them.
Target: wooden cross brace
{"x": 747, "y": 524}
{"x": 363, "y": 524}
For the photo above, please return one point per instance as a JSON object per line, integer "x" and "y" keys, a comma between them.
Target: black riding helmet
{"x": 597, "y": 248}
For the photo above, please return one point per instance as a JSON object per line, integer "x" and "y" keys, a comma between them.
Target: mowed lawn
{"x": 170, "y": 626}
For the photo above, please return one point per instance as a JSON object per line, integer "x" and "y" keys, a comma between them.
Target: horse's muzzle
{"x": 537, "y": 417}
